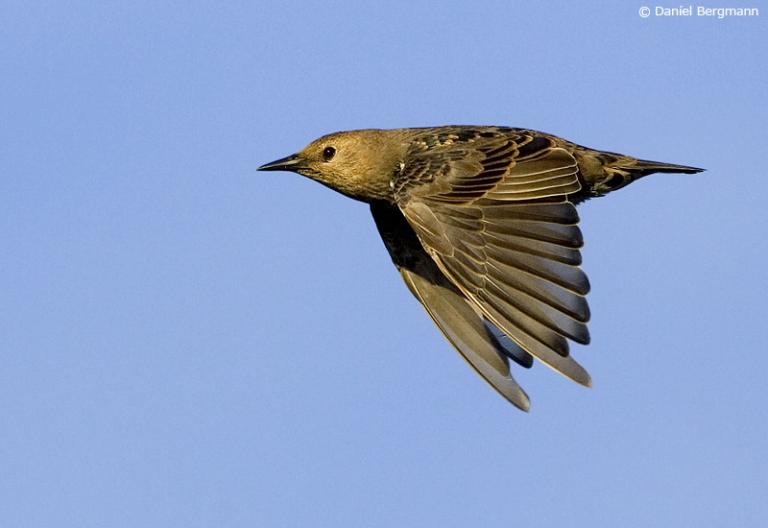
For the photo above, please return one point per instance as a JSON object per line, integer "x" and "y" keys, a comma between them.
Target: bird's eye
{"x": 328, "y": 153}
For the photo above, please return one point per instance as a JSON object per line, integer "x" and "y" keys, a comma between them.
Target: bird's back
{"x": 600, "y": 172}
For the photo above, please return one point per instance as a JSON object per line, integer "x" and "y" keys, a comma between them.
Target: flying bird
{"x": 481, "y": 222}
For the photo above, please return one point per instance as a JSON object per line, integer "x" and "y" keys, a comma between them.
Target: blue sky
{"x": 187, "y": 342}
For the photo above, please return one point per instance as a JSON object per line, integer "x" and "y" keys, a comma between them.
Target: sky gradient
{"x": 187, "y": 342}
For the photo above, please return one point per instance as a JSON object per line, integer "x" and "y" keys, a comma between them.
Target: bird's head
{"x": 358, "y": 163}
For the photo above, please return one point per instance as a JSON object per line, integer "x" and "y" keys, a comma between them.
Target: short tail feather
{"x": 645, "y": 167}
{"x": 619, "y": 171}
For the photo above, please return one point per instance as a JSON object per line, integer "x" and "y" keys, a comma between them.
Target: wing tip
{"x": 520, "y": 400}
{"x": 580, "y": 375}
{"x": 572, "y": 370}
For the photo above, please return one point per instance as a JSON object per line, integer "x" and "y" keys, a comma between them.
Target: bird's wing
{"x": 490, "y": 207}
{"x": 450, "y": 310}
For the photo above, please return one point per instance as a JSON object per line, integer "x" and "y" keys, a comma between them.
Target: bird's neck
{"x": 373, "y": 187}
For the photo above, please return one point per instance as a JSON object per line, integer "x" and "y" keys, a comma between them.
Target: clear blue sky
{"x": 187, "y": 342}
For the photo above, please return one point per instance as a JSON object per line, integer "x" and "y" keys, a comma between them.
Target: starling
{"x": 481, "y": 222}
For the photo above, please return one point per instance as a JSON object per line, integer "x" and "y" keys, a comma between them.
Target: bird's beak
{"x": 288, "y": 163}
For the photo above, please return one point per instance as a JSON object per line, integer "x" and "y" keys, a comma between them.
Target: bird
{"x": 481, "y": 223}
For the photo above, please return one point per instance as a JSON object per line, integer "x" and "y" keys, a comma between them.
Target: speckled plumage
{"x": 482, "y": 225}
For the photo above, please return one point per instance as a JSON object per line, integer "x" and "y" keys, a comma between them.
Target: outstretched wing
{"x": 490, "y": 207}
{"x": 449, "y": 308}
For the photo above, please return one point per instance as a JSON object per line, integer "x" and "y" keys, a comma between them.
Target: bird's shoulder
{"x": 462, "y": 163}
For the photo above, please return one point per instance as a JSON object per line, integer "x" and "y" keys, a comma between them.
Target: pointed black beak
{"x": 288, "y": 163}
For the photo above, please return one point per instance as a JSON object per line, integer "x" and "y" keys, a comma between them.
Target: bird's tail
{"x": 645, "y": 167}
{"x": 619, "y": 171}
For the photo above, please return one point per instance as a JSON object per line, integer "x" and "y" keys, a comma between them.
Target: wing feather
{"x": 461, "y": 325}
{"x": 499, "y": 226}
{"x": 476, "y": 340}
